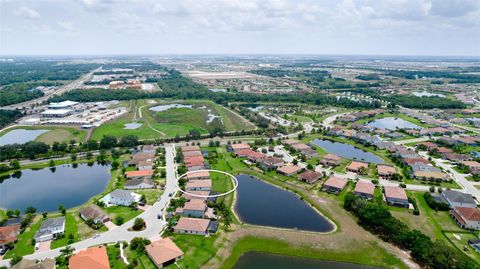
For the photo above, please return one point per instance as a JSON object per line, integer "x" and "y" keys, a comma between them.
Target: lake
{"x": 392, "y": 123}
{"x": 20, "y": 136}
{"x": 258, "y": 203}
{"x": 258, "y": 260}
{"x": 347, "y": 151}
{"x": 46, "y": 190}
{"x": 161, "y": 108}
{"x": 428, "y": 94}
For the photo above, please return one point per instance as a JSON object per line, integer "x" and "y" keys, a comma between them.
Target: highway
{"x": 154, "y": 225}
{"x": 65, "y": 88}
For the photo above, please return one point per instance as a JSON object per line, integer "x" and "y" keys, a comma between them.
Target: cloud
{"x": 65, "y": 25}
{"x": 26, "y": 12}
{"x": 454, "y": 8}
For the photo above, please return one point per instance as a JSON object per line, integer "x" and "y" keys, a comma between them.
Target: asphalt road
{"x": 121, "y": 233}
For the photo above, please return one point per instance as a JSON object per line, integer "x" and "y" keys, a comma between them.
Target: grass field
{"x": 121, "y": 211}
{"x": 172, "y": 122}
{"x": 198, "y": 249}
{"x": 376, "y": 256}
{"x": 55, "y": 133}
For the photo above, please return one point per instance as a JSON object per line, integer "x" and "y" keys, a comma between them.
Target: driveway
{"x": 44, "y": 246}
{"x": 110, "y": 225}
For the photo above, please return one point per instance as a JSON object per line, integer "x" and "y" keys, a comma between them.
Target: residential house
{"x": 145, "y": 165}
{"x": 309, "y": 152}
{"x": 198, "y": 175}
{"x": 121, "y": 197}
{"x": 199, "y": 185}
{"x": 139, "y": 174}
{"x": 192, "y": 226}
{"x": 429, "y": 175}
{"x": 473, "y": 166}
{"x": 364, "y": 189}
{"x": 456, "y": 157}
{"x": 148, "y": 149}
{"x": 201, "y": 195}
{"x": 459, "y": 199}
{"x": 50, "y": 229}
{"x": 234, "y": 147}
{"x": 270, "y": 163}
{"x": 194, "y": 208}
{"x": 94, "y": 213}
{"x": 91, "y": 258}
{"x": 334, "y": 185}
{"x": 385, "y": 171}
{"x": 35, "y": 264}
{"x": 289, "y": 169}
{"x": 139, "y": 184}
{"x": 193, "y": 153}
{"x": 357, "y": 167}
{"x": 190, "y": 148}
{"x": 331, "y": 160}
{"x": 466, "y": 217}
{"x": 8, "y": 234}
{"x": 309, "y": 176}
{"x": 396, "y": 196}
{"x": 164, "y": 252}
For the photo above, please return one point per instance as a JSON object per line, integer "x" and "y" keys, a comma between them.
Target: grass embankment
{"x": 376, "y": 255}
{"x": 172, "y": 122}
{"x": 54, "y": 134}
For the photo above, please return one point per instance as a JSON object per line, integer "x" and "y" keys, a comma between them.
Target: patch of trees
{"x": 368, "y": 77}
{"x": 8, "y": 116}
{"x": 179, "y": 87}
{"x": 456, "y": 76}
{"x": 378, "y": 220}
{"x": 424, "y": 102}
{"x": 21, "y": 92}
{"x": 433, "y": 204}
{"x": 35, "y": 70}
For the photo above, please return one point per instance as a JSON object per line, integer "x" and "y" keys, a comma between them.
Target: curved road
{"x": 121, "y": 233}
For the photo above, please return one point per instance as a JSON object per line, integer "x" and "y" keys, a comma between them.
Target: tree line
{"x": 377, "y": 219}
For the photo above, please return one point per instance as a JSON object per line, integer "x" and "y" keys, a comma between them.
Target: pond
{"x": 347, "y": 151}
{"x": 20, "y": 136}
{"x": 258, "y": 203}
{"x": 161, "y": 108}
{"x": 392, "y": 123}
{"x": 132, "y": 125}
{"x": 257, "y": 260}
{"x": 45, "y": 189}
{"x": 427, "y": 94}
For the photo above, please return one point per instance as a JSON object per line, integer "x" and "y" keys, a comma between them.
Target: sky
{"x": 145, "y": 27}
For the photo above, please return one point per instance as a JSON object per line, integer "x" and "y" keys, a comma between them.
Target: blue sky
{"x": 374, "y": 27}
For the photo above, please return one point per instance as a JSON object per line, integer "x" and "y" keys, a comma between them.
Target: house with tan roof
{"x": 193, "y": 208}
{"x": 190, "y": 148}
{"x": 164, "y": 252}
{"x": 289, "y": 169}
{"x": 94, "y": 213}
{"x": 385, "y": 171}
{"x": 473, "y": 166}
{"x": 35, "y": 264}
{"x": 239, "y": 146}
{"x": 428, "y": 175}
{"x": 334, "y": 185}
{"x": 199, "y": 185}
{"x": 193, "y": 153}
{"x": 396, "y": 196}
{"x": 364, "y": 189}
{"x": 198, "y": 175}
{"x": 192, "y": 226}
{"x": 200, "y": 193}
{"x": 91, "y": 258}
{"x": 357, "y": 167}
{"x": 466, "y": 217}
{"x": 309, "y": 176}
{"x": 331, "y": 160}
{"x": 270, "y": 163}
{"x": 140, "y": 174}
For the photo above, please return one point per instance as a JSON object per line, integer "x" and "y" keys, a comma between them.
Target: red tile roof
{"x": 91, "y": 258}
{"x": 395, "y": 192}
{"x": 335, "y": 182}
{"x": 190, "y": 148}
{"x": 163, "y": 250}
{"x": 289, "y": 169}
{"x": 140, "y": 173}
{"x": 8, "y": 234}
{"x": 365, "y": 187}
{"x": 468, "y": 214}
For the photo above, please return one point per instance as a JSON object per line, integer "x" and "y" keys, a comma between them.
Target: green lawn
{"x": 172, "y": 122}
{"x": 122, "y": 211}
{"x": 151, "y": 194}
{"x": 116, "y": 262}
{"x": 460, "y": 241}
{"x": 198, "y": 249}
{"x": 377, "y": 256}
